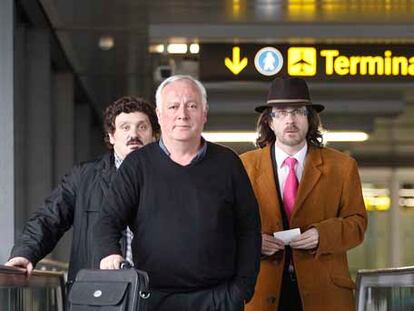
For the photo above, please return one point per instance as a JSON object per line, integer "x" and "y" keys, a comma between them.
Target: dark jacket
{"x": 74, "y": 202}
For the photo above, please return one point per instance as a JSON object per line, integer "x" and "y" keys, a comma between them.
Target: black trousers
{"x": 203, "y": 300}
{"x": 289, "y": 295}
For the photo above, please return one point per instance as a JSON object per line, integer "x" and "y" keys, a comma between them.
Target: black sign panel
{"x": 340, "y": 62}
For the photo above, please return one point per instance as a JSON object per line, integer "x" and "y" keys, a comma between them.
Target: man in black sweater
{"x": 191, "y": 208}
{"x": 129, "y": 123}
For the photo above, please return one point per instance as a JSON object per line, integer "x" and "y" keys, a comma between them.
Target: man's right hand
{"x": 111, "y": 262}
{"x": 271, "y": 245}
{"x": 21, "y": 262}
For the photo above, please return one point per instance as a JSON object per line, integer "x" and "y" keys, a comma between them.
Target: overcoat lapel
{"x": 311, "y": 175}
{"x": 267, "y": 184}
{"x": 107, "y": 172}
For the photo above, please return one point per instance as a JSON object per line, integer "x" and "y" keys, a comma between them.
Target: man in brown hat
{"x": 299, "y": 184}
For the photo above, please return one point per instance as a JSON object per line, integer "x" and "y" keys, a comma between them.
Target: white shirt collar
{"x": 299, "y": 156}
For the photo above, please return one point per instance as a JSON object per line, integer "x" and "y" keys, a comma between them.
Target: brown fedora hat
{"x": 288, "y": 91}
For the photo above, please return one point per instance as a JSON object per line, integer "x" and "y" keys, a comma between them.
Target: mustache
{"x": 291, "y": 128}
{"x": 134, "y": 140}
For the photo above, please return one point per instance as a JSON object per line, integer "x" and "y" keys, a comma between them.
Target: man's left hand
{"x": 307, "y": 240}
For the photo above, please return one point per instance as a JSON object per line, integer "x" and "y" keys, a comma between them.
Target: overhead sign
{"x": 302, "y": 61}
{"x": 338, "y": 62}
{"x": 268, "y": 61}
{"x": 234, "y": 64}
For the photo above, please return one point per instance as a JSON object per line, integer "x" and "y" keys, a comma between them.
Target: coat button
{"x": 271, "y": 299}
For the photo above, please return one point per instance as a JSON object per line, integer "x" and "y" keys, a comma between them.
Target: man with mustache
{"x": 191, "y": 206}
{"x": 299, "y": 183}
{"x": 130, "y": 123}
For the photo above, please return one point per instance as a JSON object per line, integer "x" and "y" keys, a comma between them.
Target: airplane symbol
{"x": 302, "y": 61}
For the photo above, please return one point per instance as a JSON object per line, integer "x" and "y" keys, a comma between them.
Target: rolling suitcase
{"x": 109, "y": 290}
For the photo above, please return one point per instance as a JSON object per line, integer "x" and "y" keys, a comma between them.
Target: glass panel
{"x": 385, "y": 289}
{"x": 389, "y": 298}
{"x": 406, "y": 204}
{"x": 43, "y": 291}
{"x": 373, "y": 252}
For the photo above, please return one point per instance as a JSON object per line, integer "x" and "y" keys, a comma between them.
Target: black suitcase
{"x": 109, "y": 290}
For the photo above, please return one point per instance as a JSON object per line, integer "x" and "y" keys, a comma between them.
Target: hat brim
{"x": 275, "y": 103}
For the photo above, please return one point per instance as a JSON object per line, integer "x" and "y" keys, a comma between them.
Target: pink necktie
{"x": 291, "y": 187}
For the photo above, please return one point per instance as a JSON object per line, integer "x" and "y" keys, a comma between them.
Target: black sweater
{"x": 195, "y": 226}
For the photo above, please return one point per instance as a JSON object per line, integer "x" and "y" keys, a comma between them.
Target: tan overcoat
{"x": 330, "y": 199}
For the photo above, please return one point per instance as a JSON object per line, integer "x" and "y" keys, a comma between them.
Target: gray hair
{"x": 200, "y": 87}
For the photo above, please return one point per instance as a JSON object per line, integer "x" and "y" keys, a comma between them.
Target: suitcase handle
{"x": 125, "y": 265}
{"x": 144, "y": 295}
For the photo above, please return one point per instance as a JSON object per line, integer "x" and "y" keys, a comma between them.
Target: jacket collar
{"x": 310, "y": 177}
{"x": 107, "y": 167}
{"x": 266, "y": 179}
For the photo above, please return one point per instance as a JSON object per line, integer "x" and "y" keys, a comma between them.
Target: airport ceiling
{"x": 384, "y": 110}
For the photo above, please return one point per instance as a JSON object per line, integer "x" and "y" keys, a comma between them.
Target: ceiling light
{"x": 106, "y": 43}
{"x": 251, "y": 136}
{"x": 227, "y": 137}
{"x": 371, "y": 191}
{"x": 406, "y": 192}
{"x": 156, "y": 48}
{"x": 194, "y": 48}
{"x": 345, "y": 136}
{"x": 177, "y": 48}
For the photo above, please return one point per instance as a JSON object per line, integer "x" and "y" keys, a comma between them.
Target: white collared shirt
{"x": 283, "y": 170}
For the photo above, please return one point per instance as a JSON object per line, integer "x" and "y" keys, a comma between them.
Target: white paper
{"x": 287, "y": 235}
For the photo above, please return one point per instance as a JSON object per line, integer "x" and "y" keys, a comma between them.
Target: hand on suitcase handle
{"x": 111, "y": 262}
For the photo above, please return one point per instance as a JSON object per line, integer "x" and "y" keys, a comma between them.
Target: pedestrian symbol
{"x": 268, "y": 61}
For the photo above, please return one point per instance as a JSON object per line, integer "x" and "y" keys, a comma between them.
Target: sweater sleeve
{"x": 248, "y": 234}
{"x": 47, "y": 225}
{"x": 119, "y": 207}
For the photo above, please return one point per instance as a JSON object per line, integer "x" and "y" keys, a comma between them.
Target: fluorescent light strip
{"x": 406, "y": 192}
{"x": 194, "y": 48}
{"x": 156, "y": 48}
{"x": 345, "y": 136}
{"x": 225, "y": 137}
{"x": 372, "y": 192}
{"x": 228, "y": 137}
{"x": 177, "y": 48}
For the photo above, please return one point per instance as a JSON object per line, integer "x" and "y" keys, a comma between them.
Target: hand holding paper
{"x": 287, "y": 235}
{"x": 271, "y": 245}
{"x": 307, "y": 240}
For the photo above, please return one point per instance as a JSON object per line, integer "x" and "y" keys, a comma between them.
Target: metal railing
{"x": 385, "y": 289}
{"x": 42, "y": 291}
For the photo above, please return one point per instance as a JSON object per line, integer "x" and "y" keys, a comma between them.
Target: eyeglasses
{"x": 281, "y": 114}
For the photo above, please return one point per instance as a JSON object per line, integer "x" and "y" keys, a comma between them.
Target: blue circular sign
{"x": 268, "y": 61}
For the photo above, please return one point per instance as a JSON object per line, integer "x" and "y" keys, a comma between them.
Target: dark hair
{"x": 128, "y": 104}
{"x": 267, "y": 136}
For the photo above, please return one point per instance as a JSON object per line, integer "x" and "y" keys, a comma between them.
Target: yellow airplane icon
{"x": 302, "y": 61}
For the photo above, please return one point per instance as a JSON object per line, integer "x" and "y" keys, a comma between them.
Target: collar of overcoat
{"x": 311, "y": 174}
{"x": 107, "y": 169}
